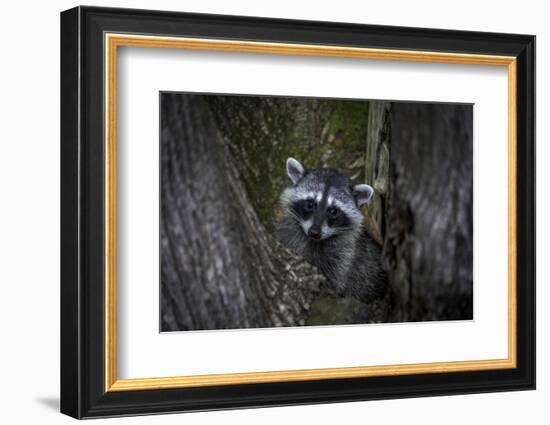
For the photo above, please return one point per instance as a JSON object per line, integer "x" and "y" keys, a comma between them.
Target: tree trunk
{"x": 219, "y": 267}
{"x": 429, "y": 223}
{"x": 377, "y": 166}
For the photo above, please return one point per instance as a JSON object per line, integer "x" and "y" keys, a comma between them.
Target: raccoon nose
{"x": 314, "y": 233}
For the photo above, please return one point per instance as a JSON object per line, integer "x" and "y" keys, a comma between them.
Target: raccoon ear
{"x": 294, "y": 169}
{"x": 362, "y": 193}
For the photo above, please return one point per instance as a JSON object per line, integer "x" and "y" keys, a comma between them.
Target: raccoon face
{"x": 323, "y": 202}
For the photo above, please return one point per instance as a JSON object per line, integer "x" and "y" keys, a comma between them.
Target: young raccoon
{"x": 323, "y": 224}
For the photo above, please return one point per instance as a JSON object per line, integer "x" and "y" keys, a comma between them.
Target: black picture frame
{"x": 83, "y": 392}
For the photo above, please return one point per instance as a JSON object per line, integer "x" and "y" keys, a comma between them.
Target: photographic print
{"x": 296, "y": 211}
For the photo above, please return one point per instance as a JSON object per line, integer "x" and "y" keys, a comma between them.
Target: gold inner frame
{"x": 113, "y": 41}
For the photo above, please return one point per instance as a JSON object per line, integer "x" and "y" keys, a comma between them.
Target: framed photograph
{"x": 261, "y": 212}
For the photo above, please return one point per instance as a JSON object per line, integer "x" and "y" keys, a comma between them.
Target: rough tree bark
{"x": 429, "y": 228}
{"x": 219, "y": 269}
{"x": 377, "y": 166}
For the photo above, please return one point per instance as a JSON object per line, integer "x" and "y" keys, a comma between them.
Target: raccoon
{"x": 322, "y": 223}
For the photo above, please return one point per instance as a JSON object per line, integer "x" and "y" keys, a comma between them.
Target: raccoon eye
{"x": 309, "y": 205}
{"x": 333, "y": 212}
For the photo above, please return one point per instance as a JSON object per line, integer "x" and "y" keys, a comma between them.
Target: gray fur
{"x": 348, "y": 256}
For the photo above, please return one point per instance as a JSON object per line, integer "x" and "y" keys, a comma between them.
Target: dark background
{"x": 223, "y": 169}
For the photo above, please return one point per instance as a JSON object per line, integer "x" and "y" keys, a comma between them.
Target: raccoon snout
{"x": 314, "y": 233}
